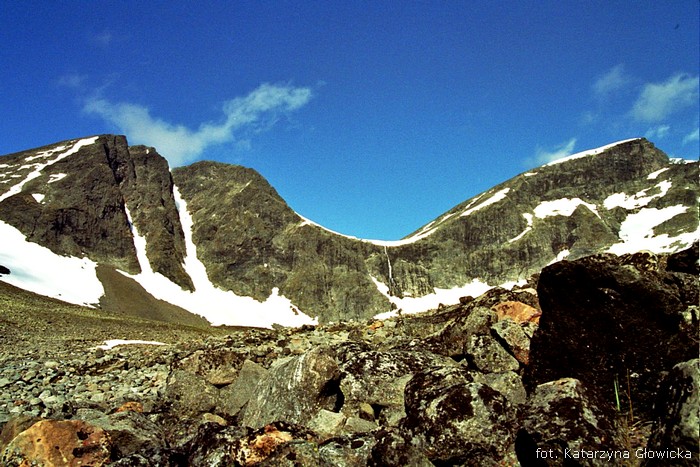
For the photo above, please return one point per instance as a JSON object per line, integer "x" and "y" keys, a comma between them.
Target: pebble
{"x": 104, "y": 378}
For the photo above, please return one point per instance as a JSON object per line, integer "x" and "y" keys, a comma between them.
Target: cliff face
{"x": 72, "y": 197}
{"x": 78, "y": 199}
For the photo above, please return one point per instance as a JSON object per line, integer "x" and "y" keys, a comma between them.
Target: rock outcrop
{"x": 89, "y": 198}
{"x": 444, "y": 388}
{"x": 614, "y": 322}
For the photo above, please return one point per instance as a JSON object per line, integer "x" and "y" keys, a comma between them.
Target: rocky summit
{"x": 217, "y": 241}
{"x": 559, "y": 325}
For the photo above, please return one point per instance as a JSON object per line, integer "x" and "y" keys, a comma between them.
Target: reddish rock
{"x": 131, "y": 406}
{"x": 59, "y": 443}
{"x": 517, "y": 311}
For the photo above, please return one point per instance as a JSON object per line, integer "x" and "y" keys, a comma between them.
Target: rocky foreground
{"x": 595, "y": 360}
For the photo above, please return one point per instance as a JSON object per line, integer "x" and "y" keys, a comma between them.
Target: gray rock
{"x": 508, "y": 383}
{"x": 234, "y": 396}
{"x": 189, "y": 394}
{"x": 456, "y": 420}
{"x": 561, "y": 420}
{"x": 327, "y": 424}
{"x": 677, "y": 424}
{"x": 379, "y": 379}
{"x": 218, "y": 367}
{"x": 131, "y": 432}
{"x": 347, "y": 451}
{"x": 294, "y": 390}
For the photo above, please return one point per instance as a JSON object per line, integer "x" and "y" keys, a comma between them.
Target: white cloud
{"x": 658, "y": 132}
{"x": 103, "y": 39}
{"x": 544, "y": 156}
{"x": 72, "y": 80}
{"x": 180, "y": 144}
{"x": 692, "y": 136}
{"x": 659, "y": 100}
{"x": 611, "y": 81}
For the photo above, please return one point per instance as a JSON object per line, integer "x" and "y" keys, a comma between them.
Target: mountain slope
{"x": 218, "y": 240}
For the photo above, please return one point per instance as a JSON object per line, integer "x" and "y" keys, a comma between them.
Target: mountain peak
{"x": 218, "y": 240}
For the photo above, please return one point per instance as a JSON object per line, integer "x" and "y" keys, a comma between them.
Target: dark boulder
{"x": 457, "y": 421}
{"x": 562, "y": 424}
{"x": 677, "y": 418}
{"x": 607, "y": 320}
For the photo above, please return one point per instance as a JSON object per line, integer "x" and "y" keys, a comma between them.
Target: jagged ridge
{"x": 252, "y": 243}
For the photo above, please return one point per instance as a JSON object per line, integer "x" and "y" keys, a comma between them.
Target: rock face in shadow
{"x": 76, "y": 206}
{"x": 609, "y": 321}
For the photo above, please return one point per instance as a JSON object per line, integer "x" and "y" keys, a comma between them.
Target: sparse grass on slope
{"x": 28, "y": 320}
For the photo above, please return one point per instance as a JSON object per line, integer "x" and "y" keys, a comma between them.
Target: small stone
{"x": 29, "y": 375}
{"x": 357, "y": 425}
{"x": 327, "y": 424}
{"x": 212, "y": 418}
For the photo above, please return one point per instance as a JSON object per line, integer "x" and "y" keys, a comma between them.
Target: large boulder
{"x": 563, "y": 426}
{"x": 456, "y": 420}
{"x": 295, "y": 390}
{"x": 607, "y": 320}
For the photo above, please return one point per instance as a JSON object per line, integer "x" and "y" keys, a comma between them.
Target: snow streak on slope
{"x": 39, "y": 166}
{"x": 498, "y": 196}
{"x": 411, "y": 305}
{"x": 219, "y": 307}
{"x": 562, "y": 207}
{"x": 589, "y": 152}
{"x": 40, "y": 270}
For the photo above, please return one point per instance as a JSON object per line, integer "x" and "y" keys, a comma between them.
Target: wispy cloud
{"x": 546, "y": 155}
{"x": 613, "y": 80}
{"x": 657, "y": 132}
{"x": 72, "y": 80}
{"x": 659, "y": 100}
{"x": 103, "y": 39}
{"x": 180, "y": 144}
{"x": 692, "y": 136}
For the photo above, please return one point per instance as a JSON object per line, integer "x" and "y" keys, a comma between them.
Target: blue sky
{"x": 369, "y": 117}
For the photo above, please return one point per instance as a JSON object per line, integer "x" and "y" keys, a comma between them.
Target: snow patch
{"x": 589, "y": 152}
{"x": 498, "y": 196}
{"x": 637, "y": 232}
{"x": 56, "y": 177}
{"x": 412, "y": 305}
{"x": 563, "y": 254}
{"x": 40, "y": 270}
{"x": 653, "y": 175}
{"x": 38, "y": 197}
{"x": 562, "y": 207}
{"x": 218, "y": 306}
{"x": 110, "y": 344}
{"x": 637, "y": 200}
